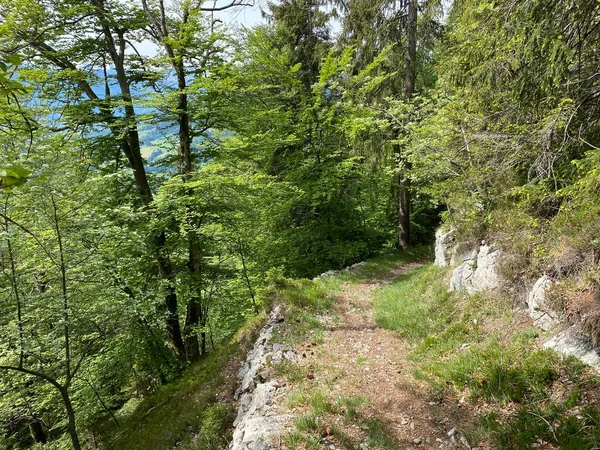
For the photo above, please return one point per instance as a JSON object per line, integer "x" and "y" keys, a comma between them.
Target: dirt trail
{"x": 357, "y": 358}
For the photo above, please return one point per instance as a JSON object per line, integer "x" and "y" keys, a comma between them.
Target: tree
{"x": 311, "y": 143}
{"x": 409, "y": 88}
{"x": 56, "y": 326}
{"x": 303, "y": 27}
{"x": 193, "y": 52}
{"x": 371, "y": 27}
{"x": 40, "y": 30}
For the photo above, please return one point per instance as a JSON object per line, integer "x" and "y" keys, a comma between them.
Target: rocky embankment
{"x": 477, "y": 269}
{"x": 258, "y": 422}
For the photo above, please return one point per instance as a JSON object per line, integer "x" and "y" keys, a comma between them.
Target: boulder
{"x": 538, "y": 305}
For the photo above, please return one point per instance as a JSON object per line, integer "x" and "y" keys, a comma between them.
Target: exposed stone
{"x": 478, "y": 271}
{"x": 571, "y": 342}
{"x": 329, "y": 273}
{"x": 539, "y": 307}
{"x": 444, "y": 246}
{"x": 333, "y": 273}
{"x": 463, "y": 251}
{"x": 258, "y": 420}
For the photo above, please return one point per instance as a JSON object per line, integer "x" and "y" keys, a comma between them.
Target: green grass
{"x": 377, "y": 267}
{"x": 377, "y": 435}
{"x": 186, "y": 411}
{"x": 466, "y": 346}
{"x": 321, "y": 415}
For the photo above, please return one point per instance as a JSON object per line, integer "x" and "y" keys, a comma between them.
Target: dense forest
{"x": 147, "y": 202}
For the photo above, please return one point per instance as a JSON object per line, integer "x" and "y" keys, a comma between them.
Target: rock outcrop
{"x": 539, "y": 307}
{"x": 478, "y": 271}
{"x": 258, "y": 421}
{"x": 571, "y": 342}
{"x": 333, "y": 273}
{"x": 444, "y": 247}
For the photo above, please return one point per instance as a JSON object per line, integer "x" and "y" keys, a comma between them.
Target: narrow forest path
{"x": 352, "y": 361}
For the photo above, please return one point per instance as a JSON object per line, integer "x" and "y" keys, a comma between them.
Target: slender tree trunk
{"x": 15, "y": 288}
{"x": 411, "y": 51}
{"x": 203, "y": 322}
{"x": 403, "y": 208}
{"x": 71, "y": 419}
{"x": 171, "y": 305}
{"x": 193, "y": 313}
{"x": 195, "y": 254}
{"x": 64, "y": 295}
{"x": 403, "y": 181}
{"x": 245, "y": 273}
{"x": 183, "y": 119}
{"x": 160, "y": 27}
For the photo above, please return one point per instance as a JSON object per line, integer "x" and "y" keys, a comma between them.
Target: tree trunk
{"x": 193, "y": 310}
{"x": 71, "y": 419}
{"x": 203, "y": 319}
{"x": 403, "y": 211}
{"x": 116, "y": 49}
{"x": 183, "y": 120}
{"x": 403, "y": 181}
{"x": 195, "y": 255}
{"x": 403, "y": 197}
{"x": 190, "y": 331}
{"x": 171, "y": 307}
{"x": 411, "y": 51}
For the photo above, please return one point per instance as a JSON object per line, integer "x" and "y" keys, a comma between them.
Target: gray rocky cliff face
{"x": 258, "y": 422}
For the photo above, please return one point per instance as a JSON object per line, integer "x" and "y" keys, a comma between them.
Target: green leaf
{"x": 13, "y": 176}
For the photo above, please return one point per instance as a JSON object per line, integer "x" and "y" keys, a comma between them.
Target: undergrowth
{"x": 185, "y": 413}
{"x": 474, "y": 347}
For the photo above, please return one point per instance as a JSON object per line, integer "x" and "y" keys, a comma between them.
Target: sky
{"x": 247, "y": 16}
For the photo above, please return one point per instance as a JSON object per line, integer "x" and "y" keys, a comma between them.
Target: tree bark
{"x": 411, "y": 51}
{"x": 71, "y": 419}
{"x": 171, "y": 305}
{"x": 186, "y": 165}
{"x": 190, "y": 331}
{"x": 203, "y": 318}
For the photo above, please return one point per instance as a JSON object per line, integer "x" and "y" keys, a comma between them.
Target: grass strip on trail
{"x": 476, "y": 348}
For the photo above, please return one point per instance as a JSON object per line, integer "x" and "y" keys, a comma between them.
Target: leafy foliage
{"x": 147, "y": 203}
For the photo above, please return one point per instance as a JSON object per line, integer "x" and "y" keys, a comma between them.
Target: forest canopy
{"x": 147, "y": 202}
